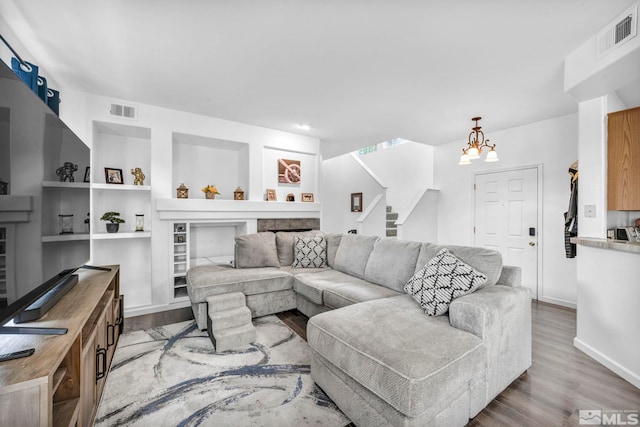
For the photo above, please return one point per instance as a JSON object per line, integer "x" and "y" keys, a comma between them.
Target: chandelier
{"x": 475, "y": 145}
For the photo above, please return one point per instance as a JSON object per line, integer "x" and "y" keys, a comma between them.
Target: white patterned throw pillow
{"x": 443, "y": 279}
{"x": 309, "y": 252}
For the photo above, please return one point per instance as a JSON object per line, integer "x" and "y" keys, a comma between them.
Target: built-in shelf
{"x": 120, "y": 187}
{"x": 64, "y": 184}
{"x": 65, "y": 237}
{"x": 121, "y": 235}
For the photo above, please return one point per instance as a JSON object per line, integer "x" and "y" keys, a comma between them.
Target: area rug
{"x": 171, "y": 376}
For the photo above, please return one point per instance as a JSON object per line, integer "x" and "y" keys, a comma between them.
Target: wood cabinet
{"x": 61, "y": 383}
{"x": 623, "y": 160}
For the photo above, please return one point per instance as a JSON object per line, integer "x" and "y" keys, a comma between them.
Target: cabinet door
{"x": 623, "y": 160}
{"x": 88, "y": 396}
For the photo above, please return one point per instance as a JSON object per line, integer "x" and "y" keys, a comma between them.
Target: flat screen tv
{"x": 39, "y": 252}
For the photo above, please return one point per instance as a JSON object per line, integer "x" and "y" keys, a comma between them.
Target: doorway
{"x": 506, "y": 218}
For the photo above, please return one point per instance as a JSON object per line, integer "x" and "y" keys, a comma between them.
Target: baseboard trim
{"x": 607, "y": 362}
{"x": 557, "y": 301}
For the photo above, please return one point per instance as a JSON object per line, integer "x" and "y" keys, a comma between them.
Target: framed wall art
{"x": 271, "y": 195}
{"x": 289, "y": 171}
{"x": 356, "y": 202}
{"x": 307, "y": 197}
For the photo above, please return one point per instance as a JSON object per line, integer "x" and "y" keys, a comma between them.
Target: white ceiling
{"x": 358, "y": 72}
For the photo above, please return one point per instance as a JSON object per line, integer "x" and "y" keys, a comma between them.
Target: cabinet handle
{"x": 120, "y": 321}
{"x": 101, "y": 363}
{"x": 111, "y": 335}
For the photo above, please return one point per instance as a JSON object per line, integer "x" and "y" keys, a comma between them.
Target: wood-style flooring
{"x": 561, "y": 381}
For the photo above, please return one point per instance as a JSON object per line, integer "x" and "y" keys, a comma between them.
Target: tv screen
{"x": 44, "y": 199}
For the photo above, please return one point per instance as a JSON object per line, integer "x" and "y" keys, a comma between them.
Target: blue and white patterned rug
{"x": 171, "y": 376}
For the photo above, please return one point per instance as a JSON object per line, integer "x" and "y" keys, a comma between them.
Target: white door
{"x": 506, "y": 219}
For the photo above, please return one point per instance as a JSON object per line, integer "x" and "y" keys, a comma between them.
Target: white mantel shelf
{"x": 203, "y": 209}
{"x": 15, "y": 208}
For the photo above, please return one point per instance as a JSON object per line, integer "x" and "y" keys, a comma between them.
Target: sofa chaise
{"x": 375, "y": 352}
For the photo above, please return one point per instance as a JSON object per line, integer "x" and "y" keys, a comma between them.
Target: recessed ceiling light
{"x": 303, "y": 126}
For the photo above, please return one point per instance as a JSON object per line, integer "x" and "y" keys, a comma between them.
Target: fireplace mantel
{"x": 202, "y": 209}
{"x": 15, "y": 208}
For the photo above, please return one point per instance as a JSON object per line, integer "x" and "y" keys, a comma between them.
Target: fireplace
{"x": 288, "y": 224}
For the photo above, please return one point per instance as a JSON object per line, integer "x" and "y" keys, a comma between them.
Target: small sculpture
{"x": 138, "y": 175}
{"x": 66, "y": 171}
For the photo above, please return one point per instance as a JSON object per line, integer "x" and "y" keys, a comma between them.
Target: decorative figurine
{"x": 138, "y": 176}
{"x": 291, "y": 197}
{"x": 183, "y": 191}
{"x": 66, "y": 171}
{"x": 238, "y": 194}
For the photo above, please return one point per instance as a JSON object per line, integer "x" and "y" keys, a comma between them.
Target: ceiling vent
{"x": 123, "y": 111}
{"x": 624, "y": 28}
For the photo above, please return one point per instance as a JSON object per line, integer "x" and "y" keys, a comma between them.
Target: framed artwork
{"x": 289, "y": 171}
{"x": 271, "y": 195}
{"x": 87, "y": 174}
{"x": 307, "y": 197}
{"x": 356, "y": 202}
{"x": 113, "y": 176}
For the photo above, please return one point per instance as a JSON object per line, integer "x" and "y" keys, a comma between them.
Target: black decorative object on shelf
{"x": 65, "y": 172}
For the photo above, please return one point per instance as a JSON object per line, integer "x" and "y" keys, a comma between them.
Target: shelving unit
{"x": 125, "y": 147}
{"x": 180, "y": 259}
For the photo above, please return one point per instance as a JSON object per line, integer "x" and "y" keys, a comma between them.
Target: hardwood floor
{"x": 561, "y": 381}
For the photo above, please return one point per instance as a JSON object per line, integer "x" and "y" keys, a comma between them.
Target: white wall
{"x": 342, "y": 176}
{"x": 551, "y": 143}
{"x": 81, "y": 110}
{"x": 405, "y": 169}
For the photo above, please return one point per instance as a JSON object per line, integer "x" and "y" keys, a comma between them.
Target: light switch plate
{"x": 589, "y": 211}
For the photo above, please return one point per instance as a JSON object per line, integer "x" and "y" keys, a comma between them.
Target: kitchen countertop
{"x": 616, "y": 245}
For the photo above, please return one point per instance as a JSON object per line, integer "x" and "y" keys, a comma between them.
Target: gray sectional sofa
{"x": 375, "y": 352}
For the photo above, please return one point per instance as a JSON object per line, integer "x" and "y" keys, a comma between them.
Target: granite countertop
{"x": 616, "y": 245}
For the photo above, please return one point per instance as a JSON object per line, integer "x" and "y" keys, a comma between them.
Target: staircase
{"x": 392, "y": 228}
{"x": 229, "y": 321}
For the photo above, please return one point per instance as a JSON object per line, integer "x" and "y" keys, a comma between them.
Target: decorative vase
{"x": 112, "y": 228}
{"x": 210, "y": 195}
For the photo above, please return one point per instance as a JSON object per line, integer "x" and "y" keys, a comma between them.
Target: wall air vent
{"x": 123, "y": 111}
{"x": 624, "y": 28}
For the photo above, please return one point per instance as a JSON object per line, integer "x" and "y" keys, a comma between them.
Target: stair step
{"x": 391, "y": 224}
{"x": 392, "y": 232}
{"x": 231, "y": 318}
{"x": 389, "y": 209}
{"x": 392, "y": 216}
{"x": 230, "y": 338}
{"x": 225, "y": 301}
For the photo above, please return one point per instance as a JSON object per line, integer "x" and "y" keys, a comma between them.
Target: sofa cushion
{"x": 442, "y": 280}
{"x": 409, "y": 360}
{"x": 309, "y": 252}
{"x": 333, "y": 242}
{"x": 355, "y": 291}
{"x": 256, "y": 250}
{"x": 391, "y": 263}
{"x": 487, "y": 261}
{"x": 353, "y": 254}
{"x": 206, "y": 280}
{"x": 284, "y": 244}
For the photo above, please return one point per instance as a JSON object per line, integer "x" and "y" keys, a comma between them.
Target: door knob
{"x": 532, "y": 243}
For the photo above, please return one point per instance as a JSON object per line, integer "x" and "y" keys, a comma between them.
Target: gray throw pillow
{"x": 256, "y": 250}
{"x": 309, "y": 252}
{"x": 443, "y": 279}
